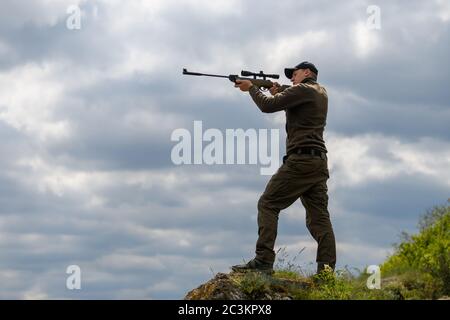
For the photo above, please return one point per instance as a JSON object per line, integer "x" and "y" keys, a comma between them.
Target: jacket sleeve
{"x": 290, "y": 97}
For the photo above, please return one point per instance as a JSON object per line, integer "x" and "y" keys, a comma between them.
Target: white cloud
{"x": 291, "y": 47}
{"x": 29, "y": 94}
{"x": 356, "y": 254}
{"x": 355, "y": 160}
{"x": 142, "y": 13}
{"x": 145, "y": 59}
{"x": 46, "y": 177}
{"x": 35, "y": 294}
{"x": 365, "y": 41}
{"x": 126, "y": 261}
{"x": 443, "y": 10}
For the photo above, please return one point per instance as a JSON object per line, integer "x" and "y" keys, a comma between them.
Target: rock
{"x": 221, "y": 287}
{"x": 245, "y": 286}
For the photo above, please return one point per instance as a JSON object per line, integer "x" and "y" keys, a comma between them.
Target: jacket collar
{"x": 309, "y": 80}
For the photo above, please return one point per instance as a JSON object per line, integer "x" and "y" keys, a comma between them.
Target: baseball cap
{"x": 303, "y": 65}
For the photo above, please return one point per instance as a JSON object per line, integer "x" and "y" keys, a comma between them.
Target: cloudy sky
{"x": 86, "y": 117}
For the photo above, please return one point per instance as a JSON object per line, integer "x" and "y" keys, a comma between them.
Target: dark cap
{"x": 304, "y": 65}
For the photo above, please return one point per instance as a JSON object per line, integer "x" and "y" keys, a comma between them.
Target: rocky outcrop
{"x": 245, "y": 286}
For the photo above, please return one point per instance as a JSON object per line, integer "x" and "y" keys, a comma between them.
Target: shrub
{"x": 426, "y": 254}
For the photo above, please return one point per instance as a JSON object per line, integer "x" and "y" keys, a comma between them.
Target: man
{"x": 304, "y": 172}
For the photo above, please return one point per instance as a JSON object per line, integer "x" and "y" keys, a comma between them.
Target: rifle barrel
{"x": 203, "y": 74}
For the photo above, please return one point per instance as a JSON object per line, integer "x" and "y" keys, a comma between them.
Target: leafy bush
{"x": 426, "y": 254}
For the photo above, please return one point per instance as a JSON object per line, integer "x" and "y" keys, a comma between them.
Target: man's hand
{"x": 244, "y": 85}
{"x": 275, "y": 88}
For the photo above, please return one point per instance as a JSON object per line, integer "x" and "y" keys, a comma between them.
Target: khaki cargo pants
{"x": 301, "y": 176}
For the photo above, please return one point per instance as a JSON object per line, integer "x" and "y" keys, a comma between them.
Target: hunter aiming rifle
{"x": 263, "y": 83}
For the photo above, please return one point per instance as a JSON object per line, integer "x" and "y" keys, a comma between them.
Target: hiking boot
{"x": 254, "y": 265}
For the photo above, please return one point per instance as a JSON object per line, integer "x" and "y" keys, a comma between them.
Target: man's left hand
{"x": 244, "y": 85}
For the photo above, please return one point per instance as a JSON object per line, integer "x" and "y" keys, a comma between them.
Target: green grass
{"x": 253, "y": 284}
{"x": 328, "y": 285}
{"x": 287, "y": 274}
{"x": 419, "y": 268}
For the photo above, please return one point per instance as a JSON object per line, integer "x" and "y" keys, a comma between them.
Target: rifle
{"x": 263, "y": 83}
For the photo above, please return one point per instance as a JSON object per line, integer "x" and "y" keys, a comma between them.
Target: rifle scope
{"x": 260, "y": 74}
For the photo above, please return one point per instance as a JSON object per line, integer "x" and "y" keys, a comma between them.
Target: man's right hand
{"x": 275, "y": 88}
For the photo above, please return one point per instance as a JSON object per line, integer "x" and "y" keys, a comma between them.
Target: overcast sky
{"x": 86, "y": 118}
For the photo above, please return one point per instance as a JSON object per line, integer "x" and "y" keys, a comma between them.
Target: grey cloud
{"x": 391, "y": 198}
{"x": 397, "y": 90}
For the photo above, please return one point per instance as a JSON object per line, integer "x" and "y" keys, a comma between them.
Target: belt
{"x": 311, "y": 151}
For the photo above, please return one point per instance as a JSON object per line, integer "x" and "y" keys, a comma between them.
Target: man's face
{"x": 299, "y": 75}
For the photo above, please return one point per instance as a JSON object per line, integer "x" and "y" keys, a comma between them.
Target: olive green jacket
{"x": 306, "y": 107}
